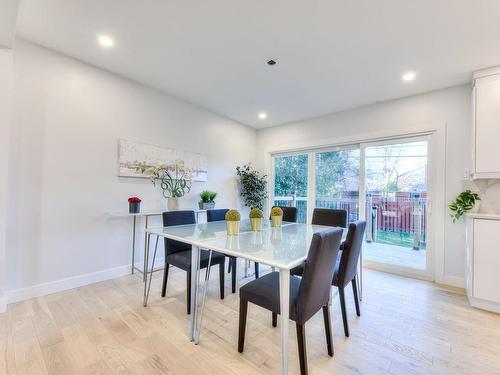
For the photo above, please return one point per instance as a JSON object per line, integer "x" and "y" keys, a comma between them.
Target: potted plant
{"x": 232, "y": 222}
{"x": 207, "y": 200}
{"x": 253, "y": 186}
{"x": 276, "y": 217}
{"x": 134, "y": 205}
{"x": 256, "y": 216}
{"x": 465, "y": 201}
{"x": 174, "y": 180}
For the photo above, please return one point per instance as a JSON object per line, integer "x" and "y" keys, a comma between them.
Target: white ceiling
{"x": 8, "y": 17}
{"x": 332, "y": 54}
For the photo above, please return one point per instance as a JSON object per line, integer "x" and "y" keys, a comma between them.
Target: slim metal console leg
{"x": 146, "y": 251}
{"x": 195, "y": 266}
{"x": 205, "y": 287}
{"x": 133, "y": 243}
{"x": 148, "y": 236}
{"x": 151, "y": 275}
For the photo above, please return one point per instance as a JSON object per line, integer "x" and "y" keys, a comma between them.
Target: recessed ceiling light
{"x": 262, "y": 115}
{"x": 271, "y": 62}
{"x": 409, "y": 76}
{"x": 105, "y": 41}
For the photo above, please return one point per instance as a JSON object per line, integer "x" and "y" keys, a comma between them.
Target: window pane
{"x": 337, "y": 181}
{"x": 290, "y": 183}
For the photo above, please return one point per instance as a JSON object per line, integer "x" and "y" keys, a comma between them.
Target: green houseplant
{"x": 174, "y": 181}
{"x": 256, "y": 216}
{"x": 232, "y": 222}
{"x": 276, "y": 217}
{"x": 253, "y": 186}
{"x": 465, "y": 201}
{"x": 207, "y": 201}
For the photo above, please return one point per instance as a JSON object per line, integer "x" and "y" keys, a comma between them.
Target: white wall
{"x": 5, "y": 120}
{"x": 450, "y": 106}
{"x": 63, "y": 179}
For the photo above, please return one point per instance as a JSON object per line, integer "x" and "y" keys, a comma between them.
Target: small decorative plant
{"x": 174, "y": 180}
{"x": 207, "y": 200}
{"x": 256, "y": 216}
{"x": 134, "y": 205}
{"x": 276, "y": 217}
{"x": 232, "y": 222}
{"x": 465, "y": 201}
{"x": 253, "y": 186}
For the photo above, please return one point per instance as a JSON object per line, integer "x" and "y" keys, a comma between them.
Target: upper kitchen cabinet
{"x": 486, "y": 124}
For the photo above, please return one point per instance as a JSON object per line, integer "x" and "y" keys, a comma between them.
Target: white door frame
{"x": 428, "y": 274}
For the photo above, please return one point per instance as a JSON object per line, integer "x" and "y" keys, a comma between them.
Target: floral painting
{"x": 140, "y": 160}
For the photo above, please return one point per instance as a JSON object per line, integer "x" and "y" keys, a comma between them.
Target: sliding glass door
{"x": 291, "y": 183}
{"x": 385, "y": 183}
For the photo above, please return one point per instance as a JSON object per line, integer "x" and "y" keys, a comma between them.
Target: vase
{"x": 276, "y": 221}
{"x": 232, "y": 227}
{"x": 206, "y": 205}
{"x": 134, "y": 208}
{"x": 172, "y": 204}
{"x": 256, "y": 223}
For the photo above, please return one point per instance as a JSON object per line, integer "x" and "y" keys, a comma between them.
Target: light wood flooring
{"x": 407, "y": 327}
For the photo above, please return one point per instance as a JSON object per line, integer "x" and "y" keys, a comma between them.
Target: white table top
{"x": 284, "y": 247}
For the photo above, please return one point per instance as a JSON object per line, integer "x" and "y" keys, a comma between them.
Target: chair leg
{"x": 275, "y": 319}
{"x": 328, "y": 329}
{"x": 256, "y": 270}
{"x": 344, "y": 313}
{"x": 222, "y": 278}
{"x": 165, "y": 279}
{"x": 243, "y": 324}
{"x": 229, "y": 265}
{"x": 188, "y": 290}
{"x": 301, "y": 341}
{"x": 234, "y": 262}
{"x": 355, "y": 293}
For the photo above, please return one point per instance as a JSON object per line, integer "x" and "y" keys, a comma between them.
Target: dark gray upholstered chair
{"x": 178, "y": 254}
{"x": 347, "y": 267}
{"x": 308, "y": 294}
{"x": 289, "y": 215}
{"x": 220, "y": 215}
{"x": 329, "y": 217}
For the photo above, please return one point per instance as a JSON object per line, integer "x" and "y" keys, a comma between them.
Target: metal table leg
{"x": 204, "y": 298}
{"x": 284, "y": 312}
{"x": 195, "y": 266}
{"x": 133, "y": 243}
{"x": 146, "y": 284}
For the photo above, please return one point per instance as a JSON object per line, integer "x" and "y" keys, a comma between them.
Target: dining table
{"x": 282, "y": 248}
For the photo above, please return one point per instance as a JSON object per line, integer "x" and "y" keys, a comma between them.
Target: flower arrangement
{"x": 174, "y": 181}
{"x": 253, "y": 186}
{"x": 256, "y": 216}
{"x": 465, "y": 201}
{"x": 232, "y": 222}
{"x": 134, "y": 205}
{"x": 276, "y": 217}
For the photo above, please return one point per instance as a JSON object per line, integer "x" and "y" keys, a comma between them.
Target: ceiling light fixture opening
{"x": 262, "y": 115}
{"x": 271, "y": 62}
{"x": 409, "y": 76}
{"x": 105, "y": 41}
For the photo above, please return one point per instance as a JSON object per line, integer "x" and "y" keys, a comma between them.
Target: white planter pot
{"x": 173, "y": 204}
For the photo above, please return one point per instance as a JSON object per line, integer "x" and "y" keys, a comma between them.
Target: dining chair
{"x": 329, "y": 217}
{"x": 178, "y": 254}
{"x": 289, "y": 215}
{"x": 308, "y": 294}
{"x": 346, "y": 268}
{"x": 220, "y": 215}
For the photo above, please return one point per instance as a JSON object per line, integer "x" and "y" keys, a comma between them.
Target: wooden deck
{"x": 395, "y": 255}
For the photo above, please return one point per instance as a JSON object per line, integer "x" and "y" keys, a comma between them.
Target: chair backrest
{"x": 289, "y": 213}
{"x": 171, "y": 218}
{"x": 350, "y": 254}
{"x": 329, "y": 217}
{"x": 217, "y": 215}
{"x": 315, "y": 286}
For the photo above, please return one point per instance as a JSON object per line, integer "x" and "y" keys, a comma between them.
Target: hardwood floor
{"x": 406, "y": 327}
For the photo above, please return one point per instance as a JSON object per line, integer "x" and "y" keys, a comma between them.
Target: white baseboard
{"x": 455, "y": 281}
{"x": 3, "y": 305}
{"x": 22, "y": 294}
{"x": 484, "y": 305}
